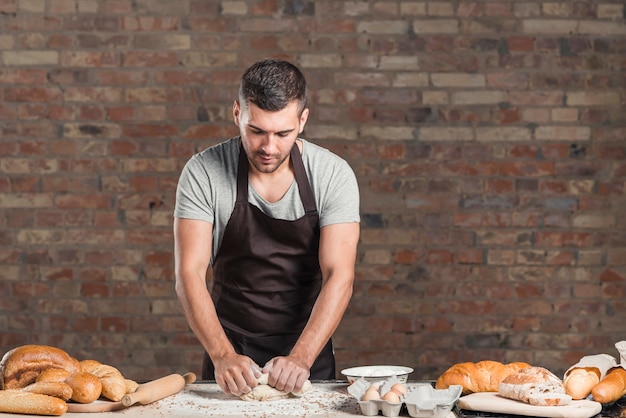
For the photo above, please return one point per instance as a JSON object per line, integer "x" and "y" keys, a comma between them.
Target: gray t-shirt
{"x": 207, "y": 188}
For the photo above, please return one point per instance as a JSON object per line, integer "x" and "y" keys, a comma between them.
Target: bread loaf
{"x": 59, "y": 390}
{"x": 20, "y": 366}
{"x": 16, "y": 401}
{"x": 611, "y": 388}
{"x": 580, "y": 380}
{"x": 53, "y": 375}
{"x": 113, "y": 383}
{"x": 536, "y": 386}
{"x": 483, "y": 376}
{"x": 86, "y": 387}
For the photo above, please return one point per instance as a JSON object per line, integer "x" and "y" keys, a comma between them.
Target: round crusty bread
{"x": 113, "y": 383}
{"x": 16, "y": 401}
{"x": 483, "y": 376}
{"x": 20, "y": 366}
{"x": 86, "y": 387}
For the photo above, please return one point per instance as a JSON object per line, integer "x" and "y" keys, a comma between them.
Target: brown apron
{"x": 267, "y": 277}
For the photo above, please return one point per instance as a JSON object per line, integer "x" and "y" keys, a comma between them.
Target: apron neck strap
{"x": 304, "y": 188}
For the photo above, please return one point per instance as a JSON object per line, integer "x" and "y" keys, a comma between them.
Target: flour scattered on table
{"x": 206, "y": 401}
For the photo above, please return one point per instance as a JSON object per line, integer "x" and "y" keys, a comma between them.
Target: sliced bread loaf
{"x": 535, "y": 386}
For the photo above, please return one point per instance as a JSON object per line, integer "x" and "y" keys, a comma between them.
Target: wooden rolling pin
{"x": 158, "y": 389}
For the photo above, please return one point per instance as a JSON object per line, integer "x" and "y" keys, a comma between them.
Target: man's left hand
{"x": 287, "y": 373}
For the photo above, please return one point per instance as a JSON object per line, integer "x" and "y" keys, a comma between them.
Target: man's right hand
{"x": 236, "y": 374}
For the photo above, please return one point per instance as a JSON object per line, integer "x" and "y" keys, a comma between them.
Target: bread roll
{"x": 113, "y": 384}
{"x": 611, "y": 388}
{"x": 53, "y": 375}
{"x": 536, "y": 386}
{"x": 580, "y": 380}
{"x": 86, "y": 387}
{"x": 20, "y": 366}
{"x": 59, "y": 390}
{"x": 131, "y": 386}
{"x": 484, "y": 376}
{"x": 17, "y": 401}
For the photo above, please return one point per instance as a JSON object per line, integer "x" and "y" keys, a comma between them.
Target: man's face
{"x": 267, "y": 136}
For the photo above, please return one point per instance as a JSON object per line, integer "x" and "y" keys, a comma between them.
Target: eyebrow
{"x": 286, "y": 131}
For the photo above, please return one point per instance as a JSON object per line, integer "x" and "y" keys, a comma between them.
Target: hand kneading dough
{"x": 264, "y": 392}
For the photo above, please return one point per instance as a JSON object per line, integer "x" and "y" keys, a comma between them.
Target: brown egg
{"x": 391, "y": 396}
{"x": 400, "y": 389}
{"x": 371, "y": 394}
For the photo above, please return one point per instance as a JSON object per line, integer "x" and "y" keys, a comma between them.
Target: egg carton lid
{"x": 426, "y": 401}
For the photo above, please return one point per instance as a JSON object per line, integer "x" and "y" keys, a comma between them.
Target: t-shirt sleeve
{"x": 194, "y": 193}
{"x": 341, "y": 204}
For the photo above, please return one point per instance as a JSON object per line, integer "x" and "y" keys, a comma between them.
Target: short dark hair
{"x": 271, "y": 84}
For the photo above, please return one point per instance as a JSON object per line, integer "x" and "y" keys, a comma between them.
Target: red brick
{"x": 150, "y": 131}
{"x": 209, "y": 24}
{"x": 149, "y": 59}
{"x": 439, "y": 257}
{"x": 86, "y": 324}
{"x": 406, "y": 256}
{"x": 32, "y": 94}
{"x": 114, "y": 324}
{"x": 469, "y": 256}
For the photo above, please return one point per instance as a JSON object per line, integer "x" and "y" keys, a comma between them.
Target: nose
{"x": 268, "y": 146}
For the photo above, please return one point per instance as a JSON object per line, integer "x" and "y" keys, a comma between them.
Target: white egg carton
{"x": 422, "y": 400}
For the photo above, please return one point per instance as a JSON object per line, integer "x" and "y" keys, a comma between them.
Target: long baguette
{"x": 16, "y": 401}
{"x": 611, "y": 388}
{"x": 59, "y": 390}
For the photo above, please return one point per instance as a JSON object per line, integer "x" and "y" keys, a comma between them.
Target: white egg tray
{"x": 422, "y": 400}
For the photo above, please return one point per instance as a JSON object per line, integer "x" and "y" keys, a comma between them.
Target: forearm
{"x": 325, "y": 317}
{"x": 201, "y": 315}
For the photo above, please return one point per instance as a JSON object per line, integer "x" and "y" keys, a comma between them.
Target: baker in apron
{"x": 267, "y": 277}
{"x": 283, "y": 265}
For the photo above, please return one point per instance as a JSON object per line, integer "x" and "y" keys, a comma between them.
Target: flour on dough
{"x": 264, "y": 392}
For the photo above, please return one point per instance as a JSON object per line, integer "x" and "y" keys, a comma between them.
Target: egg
{"x": 391, "y": 396}
{"x": 400, "y": 389}
{"x": 376, "y": 385}
{"x": 371, "y": 394}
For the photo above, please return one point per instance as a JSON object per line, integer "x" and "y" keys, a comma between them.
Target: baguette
{"x": 16, "y": 401}
{"x": 484, "y": 376}
{"x": 580, "y": 381}
{"x": 611, "y": 388}
{"x": 53, "y": 375}
{"x": 20, "y": 366}
{"x": 59, "y": 390}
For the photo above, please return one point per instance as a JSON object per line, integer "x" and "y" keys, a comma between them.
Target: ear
{"x": 303, "y": 118}
{"x": 236, "y": 112}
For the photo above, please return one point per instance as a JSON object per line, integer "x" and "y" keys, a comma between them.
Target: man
{"x": 277, "y": 219}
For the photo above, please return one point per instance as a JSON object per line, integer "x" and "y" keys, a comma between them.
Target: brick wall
{"x": 488, "y": 138}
